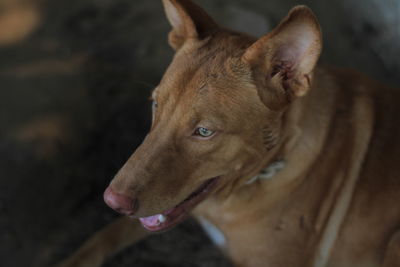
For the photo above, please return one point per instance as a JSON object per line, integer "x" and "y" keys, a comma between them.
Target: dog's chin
{"x": 170, "y": 218}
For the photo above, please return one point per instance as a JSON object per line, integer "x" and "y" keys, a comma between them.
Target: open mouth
{"x": 174, "y": 216}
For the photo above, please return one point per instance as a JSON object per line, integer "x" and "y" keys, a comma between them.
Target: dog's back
{"x": 372, "y": 221}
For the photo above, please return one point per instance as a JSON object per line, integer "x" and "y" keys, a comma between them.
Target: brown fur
{"x": 334, "y": 203}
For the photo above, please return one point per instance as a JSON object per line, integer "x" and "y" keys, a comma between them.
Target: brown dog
{"x": 282, "y": 164}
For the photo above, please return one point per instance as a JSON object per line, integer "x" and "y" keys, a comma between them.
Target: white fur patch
{"x": 215, "y": 234}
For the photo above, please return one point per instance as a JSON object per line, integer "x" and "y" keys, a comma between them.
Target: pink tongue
{"x": 151, "y": 221}
{"x": 173, "y": 216}
{"x": 170, "y": 217}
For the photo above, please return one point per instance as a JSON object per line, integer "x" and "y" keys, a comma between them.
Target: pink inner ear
{"x": 284, "y": 68}
{"x": 291, "y": 54}
{"x": 174, "y": 17}
{"x": 188, "y": 20}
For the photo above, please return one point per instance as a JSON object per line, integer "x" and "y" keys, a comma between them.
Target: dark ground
{"x": 74, "y": 105}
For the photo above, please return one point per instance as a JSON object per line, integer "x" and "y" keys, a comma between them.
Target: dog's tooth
{"x": 161, "y": 218}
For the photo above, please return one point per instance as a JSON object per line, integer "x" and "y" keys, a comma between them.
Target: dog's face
{"x": 216, "y": 113}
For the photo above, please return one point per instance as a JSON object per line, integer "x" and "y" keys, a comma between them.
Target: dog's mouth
{"x": 172, "y": 217}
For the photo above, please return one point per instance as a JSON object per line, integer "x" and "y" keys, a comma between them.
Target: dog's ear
{"x": 284, "y": 59}
{"x": 188, "y": 21}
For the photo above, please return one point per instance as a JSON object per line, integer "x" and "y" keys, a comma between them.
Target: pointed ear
{"x": 188, "y": 21}
{"x": 284, "y": 59}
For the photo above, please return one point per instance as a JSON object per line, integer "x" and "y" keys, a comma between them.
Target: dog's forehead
{"x": 208, "y": 79}
{"x": 200, "y": 71}
{"x": 202, "y": 91}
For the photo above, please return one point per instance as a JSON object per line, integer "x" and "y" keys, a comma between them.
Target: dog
{"x": 283, "y": 163}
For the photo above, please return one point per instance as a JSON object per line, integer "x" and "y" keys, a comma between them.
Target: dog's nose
{"x": 120, "y": 203}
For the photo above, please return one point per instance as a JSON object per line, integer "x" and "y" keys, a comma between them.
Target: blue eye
{"x": 154, "y": 105}
{"x": 203, "y": 132}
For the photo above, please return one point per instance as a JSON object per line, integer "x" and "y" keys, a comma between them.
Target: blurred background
{"x": 75, "y": 78}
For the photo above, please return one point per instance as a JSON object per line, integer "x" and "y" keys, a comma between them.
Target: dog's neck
{"x": 304, "y": 135}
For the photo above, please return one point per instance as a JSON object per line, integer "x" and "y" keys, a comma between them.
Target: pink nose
{"x": 120, "y": 203}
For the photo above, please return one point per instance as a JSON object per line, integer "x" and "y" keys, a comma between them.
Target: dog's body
{"x": 308, "y": 219}
{"x": 335, "y": 201}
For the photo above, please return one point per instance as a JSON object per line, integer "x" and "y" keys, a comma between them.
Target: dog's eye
{"x": 203, "y": 132}
{"x": 154, "y": 105}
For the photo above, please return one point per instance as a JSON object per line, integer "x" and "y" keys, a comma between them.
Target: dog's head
{"x": 217, "y": 112}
